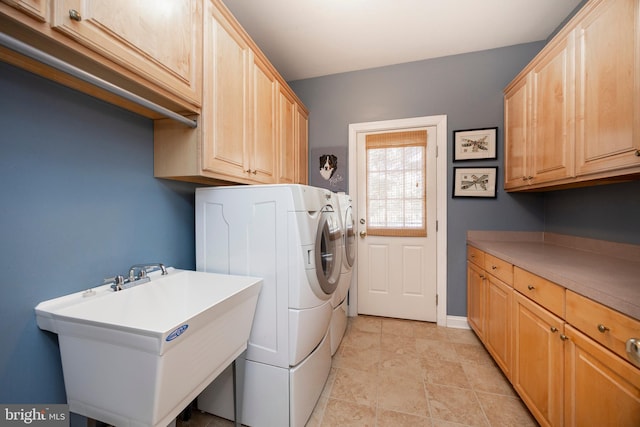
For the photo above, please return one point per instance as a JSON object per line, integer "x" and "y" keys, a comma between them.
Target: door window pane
{"x": 396, "y": 190}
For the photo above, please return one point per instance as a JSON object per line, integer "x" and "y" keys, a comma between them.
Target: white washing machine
{"x": 289, "y": 235}
{"x": 339, "y": 298}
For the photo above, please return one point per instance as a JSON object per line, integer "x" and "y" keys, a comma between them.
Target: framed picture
{"x": 475, "y": 182}
{"x": 474, "y": 144}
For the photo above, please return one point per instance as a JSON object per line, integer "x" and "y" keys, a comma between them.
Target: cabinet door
{"x": 516, "y": 132}
{"x": 601, "y": 388}
{"x": 302, "y": 136}
{"x": 538, "y": 360}
{"x": 263, "y": 146}
{"x": 159, "y": 40}
{"x": 608, "y": 87}
{"x": 34, "y": 8}
{"x": 226, "y": 99}
{"x": 287, "y": 150}
{"x": 498, "y": 322}
{"x": 476, "y": 298}
{"x": 551, "y": 146}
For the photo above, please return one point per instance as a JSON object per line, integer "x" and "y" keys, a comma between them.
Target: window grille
{"x": 396, "y": 187}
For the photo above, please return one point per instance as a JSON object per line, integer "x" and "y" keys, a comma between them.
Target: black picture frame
{"x": 480, "y": 182}
{"x": 475, "y": 144}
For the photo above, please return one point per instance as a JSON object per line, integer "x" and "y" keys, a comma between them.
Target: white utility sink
{"x": 139, "y": 356}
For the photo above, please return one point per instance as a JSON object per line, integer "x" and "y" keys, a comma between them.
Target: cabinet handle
{"x": 494, "y": 267}
{"x": 482, "y": 276}
{"x": 563, "y": 337}
{"x": 531, "y": 287}
{"x": 554, "y": 329}
{"x": 633, "y": 351}
{"x": 75, "y": 15}
{"x": 637, "y": 153}
{"x": 602, "y": 328}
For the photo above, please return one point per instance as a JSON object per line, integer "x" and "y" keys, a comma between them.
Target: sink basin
{"x": 138, "y": 357}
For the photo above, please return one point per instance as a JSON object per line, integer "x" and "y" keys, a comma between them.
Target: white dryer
{"x": 289, "y": 235}
{"x": 339, "y": 299}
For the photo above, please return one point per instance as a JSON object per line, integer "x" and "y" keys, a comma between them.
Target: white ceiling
{"x": 311, "y": 38}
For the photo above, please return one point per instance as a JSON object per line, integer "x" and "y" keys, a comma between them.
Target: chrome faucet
{"x": 119, "y": 283}
{"x": 143, "y": 269}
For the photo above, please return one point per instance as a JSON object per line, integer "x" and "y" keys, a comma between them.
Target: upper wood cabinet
{"x": 247, "y": 131}
{"x": 572, "y": 116}
{"x": 37, "y": 9}
{"x": 516, "y": 132}
{"x": 608, "y": 88}
{"x": 539, "y": 110}
{"x": 227, "y": 102}
{"x": 287, "y": 142}
{"x": 157, "y": 39}
{"x": 150, "y": 48}
{"x": 263, "y": 140}
{"x": 302, "y": 129}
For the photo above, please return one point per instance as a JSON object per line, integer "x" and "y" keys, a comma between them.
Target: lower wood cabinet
{"x": 499, "y": 298}
{"x": 563, "y": 353}
{"x": 475, "y": 298}
{"x": 601, "y": 389}
{"x": 538, "y": 360}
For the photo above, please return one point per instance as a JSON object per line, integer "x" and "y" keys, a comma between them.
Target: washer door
{"x": 328, "y": 252}
{"x": 349, "y": 238}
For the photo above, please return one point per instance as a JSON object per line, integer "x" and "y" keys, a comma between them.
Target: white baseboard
{"x": 459, "y": 322}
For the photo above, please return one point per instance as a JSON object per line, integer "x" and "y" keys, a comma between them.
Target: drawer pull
{"x": 633, "y": 351}
{"x": 554, "y": 329}
{"x": 494, "y": 267}
{"x": 563, "y": 337}
{"x": 531, "y": 287}
{"x": 75, "y": 15}
{"x": 602, "y": 328}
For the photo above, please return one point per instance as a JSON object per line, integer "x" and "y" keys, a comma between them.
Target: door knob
{"x": 362, "y": 234}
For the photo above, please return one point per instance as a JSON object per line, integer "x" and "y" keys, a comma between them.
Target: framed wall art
{"x": 475, "y": 144}
{"x": 475, "y": 182}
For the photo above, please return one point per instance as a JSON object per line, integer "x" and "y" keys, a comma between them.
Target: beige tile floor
{"x": 390, "y": 372}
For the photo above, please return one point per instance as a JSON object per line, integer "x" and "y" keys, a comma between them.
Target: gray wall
{"x": 605, "y": 212}
{"x": 468, "y": 89}
{"x": 79, "y": 203}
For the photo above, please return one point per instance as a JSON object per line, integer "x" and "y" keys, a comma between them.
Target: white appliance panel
{"x": 306, "y": 329}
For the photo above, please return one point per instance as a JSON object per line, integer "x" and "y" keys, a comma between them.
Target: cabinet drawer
{"x": 608, "y": 327}
{"x": 499, "y": 268}
{"x": 546, "y": 293}
{"x": 475, "y": 255}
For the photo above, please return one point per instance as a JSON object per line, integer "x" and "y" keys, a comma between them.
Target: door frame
{"x": 440, "y": 122}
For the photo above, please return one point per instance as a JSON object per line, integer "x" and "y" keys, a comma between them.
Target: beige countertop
{"x": 606, "y": 272}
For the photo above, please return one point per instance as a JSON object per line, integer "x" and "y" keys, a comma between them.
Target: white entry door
{"x": 396, "y": 195}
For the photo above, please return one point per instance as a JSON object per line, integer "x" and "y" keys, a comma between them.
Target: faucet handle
{"x": 116, "y": 282}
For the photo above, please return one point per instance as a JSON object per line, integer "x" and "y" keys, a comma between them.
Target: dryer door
{"x": 349, "y": 238}
{"x": 328, "y": 252}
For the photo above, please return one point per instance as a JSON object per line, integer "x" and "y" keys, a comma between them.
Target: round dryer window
{"x": 349, "y": 238}
{"x": 328, "y": 252}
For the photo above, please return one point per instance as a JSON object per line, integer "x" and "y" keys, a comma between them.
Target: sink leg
{"x": 236, "y": 412}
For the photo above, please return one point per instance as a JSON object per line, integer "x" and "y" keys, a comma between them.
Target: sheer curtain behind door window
{"x": 396, "y": 187}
